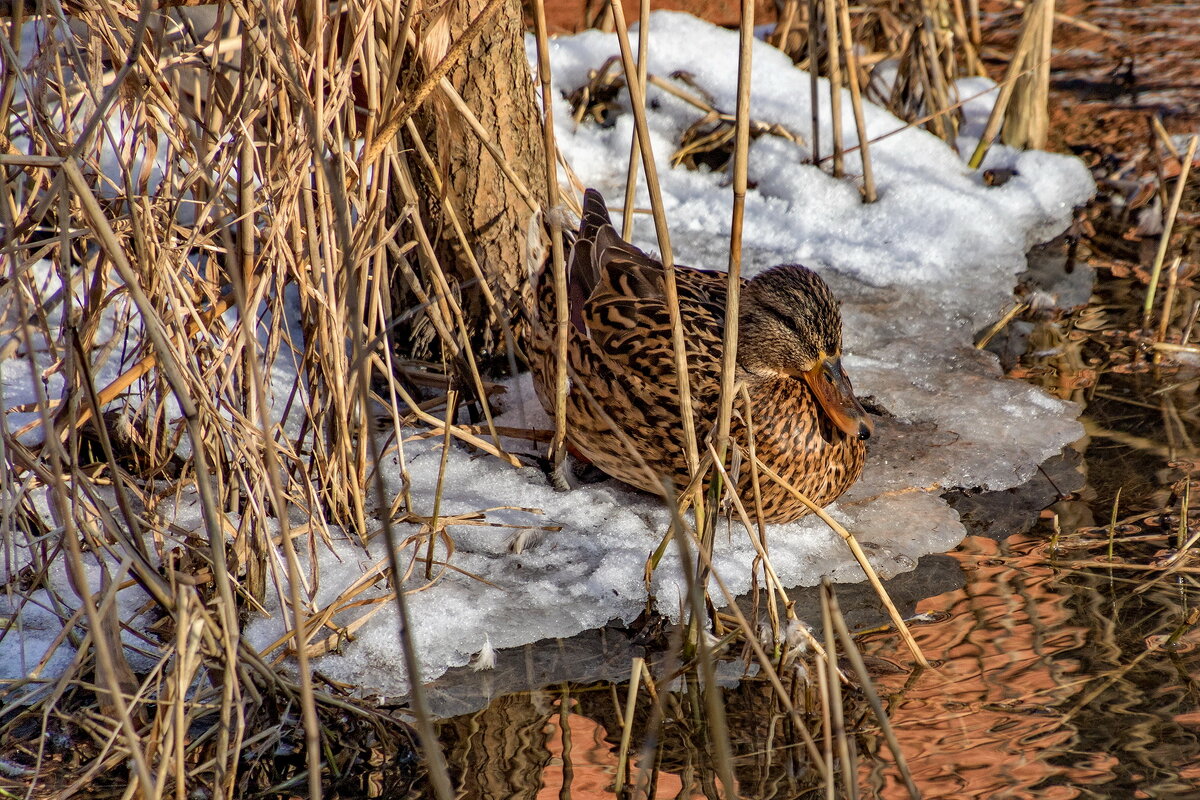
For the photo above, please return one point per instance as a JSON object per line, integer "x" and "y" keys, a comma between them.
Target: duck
{"x": 809, "y": 427}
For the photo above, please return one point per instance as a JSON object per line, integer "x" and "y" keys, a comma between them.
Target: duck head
{"x": 789, "y": 325}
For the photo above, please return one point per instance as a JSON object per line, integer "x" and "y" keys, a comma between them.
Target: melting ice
{"x": 919, "y": 271}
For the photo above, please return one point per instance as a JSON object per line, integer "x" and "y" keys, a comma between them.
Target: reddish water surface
{"x": 1054, "y": 684}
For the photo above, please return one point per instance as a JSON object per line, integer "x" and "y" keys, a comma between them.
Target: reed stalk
{"x": 1008, "y": 316}
{"x": 561, "y": 301}
{"x": 756, "y": 492}
{"x": 670, "y": 292}
{"x": 867, "y": 686}
{"x": 1027, "y": 118}
{"x": 1112, "y": 522}
{"x": 733, "y": 280}
{"x": 635, "y": 678}
{"x": 814, "y": 61}
{"x": 845, "y": 748}
{"x": 851, "y": 61}
{"x": 1190, "y": 324}
{"x": 835, "y": 84}
{"x": 697, "y": 597}
{"x": 1164, "y": 241}
{"x": 926, "y": 73}
{"x": 1016, "y": 68}
{"x": 967, "y": 33}
{"x": 440, "y": 487}
{"x": 631, "y": 170}
{"x": 733, "y": 283}
{"x": 823, "y": 669}
{"x": 1169, "y": 301}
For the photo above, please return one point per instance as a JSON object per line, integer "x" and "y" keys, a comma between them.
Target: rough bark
{"x": 494, "y": 79}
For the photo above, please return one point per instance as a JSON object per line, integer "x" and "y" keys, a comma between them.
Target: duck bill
{"x": 836, "y": 396}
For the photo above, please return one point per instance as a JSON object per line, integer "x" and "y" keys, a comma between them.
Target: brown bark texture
{"x": 495, "y": 80}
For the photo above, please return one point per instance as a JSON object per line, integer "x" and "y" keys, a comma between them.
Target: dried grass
{"x": 163, "y": 299}
{"x": 905, "y": 55}
{"x": 274, "y": 174}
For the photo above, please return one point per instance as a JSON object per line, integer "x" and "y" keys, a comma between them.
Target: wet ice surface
{"x": 919, "y": 272}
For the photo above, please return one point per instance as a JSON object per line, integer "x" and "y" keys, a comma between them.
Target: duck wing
{"x": 628, "y": 321}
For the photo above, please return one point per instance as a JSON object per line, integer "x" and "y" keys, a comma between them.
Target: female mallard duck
{"x": 809, "y": 428}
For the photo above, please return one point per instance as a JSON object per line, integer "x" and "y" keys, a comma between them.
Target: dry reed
{"x": 1164, "y": 242}
{"x": 271, "y": 202}
{"x": 161, "y": 295}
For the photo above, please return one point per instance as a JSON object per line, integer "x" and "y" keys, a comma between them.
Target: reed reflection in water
{"x": 1047, "y": 687}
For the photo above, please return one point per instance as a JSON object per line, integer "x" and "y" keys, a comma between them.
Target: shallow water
{"x": 1059, "y": 672}
{"x": 1054, "y": 682}
{"x": 1049, "y": 681}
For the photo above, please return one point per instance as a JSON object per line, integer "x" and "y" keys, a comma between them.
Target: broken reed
{"x": 922, "y": 45}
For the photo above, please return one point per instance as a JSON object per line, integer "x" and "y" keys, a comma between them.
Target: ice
{"x": 954, "y": 421}
{"x": 920, "y": 271}
{"x": 36, "y": 646}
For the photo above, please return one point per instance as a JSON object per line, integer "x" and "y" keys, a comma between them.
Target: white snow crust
{"x": 933, "y": 261}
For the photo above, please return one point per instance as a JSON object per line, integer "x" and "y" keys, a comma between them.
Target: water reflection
{"x": 1047, "y": 688}
{"x": 1052, "y": 682}
{"x": 565, "y": 742}
{"x": 984, "y": 723}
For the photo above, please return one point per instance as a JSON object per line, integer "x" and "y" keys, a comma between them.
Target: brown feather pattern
{"x": 619, "y": 348}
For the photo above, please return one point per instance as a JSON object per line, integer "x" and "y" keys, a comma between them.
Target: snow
{"x": 933, "y": 261}
{"x": 37, "y": 647}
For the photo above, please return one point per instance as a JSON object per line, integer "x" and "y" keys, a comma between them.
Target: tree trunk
{"x": 494, "y": 79}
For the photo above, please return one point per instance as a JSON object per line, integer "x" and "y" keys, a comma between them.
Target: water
{"x": 1054, "y": 682}
{"x": 1059, "y": 672}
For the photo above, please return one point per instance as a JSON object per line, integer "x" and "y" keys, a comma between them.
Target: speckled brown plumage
{"x": 619, "y": 352}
